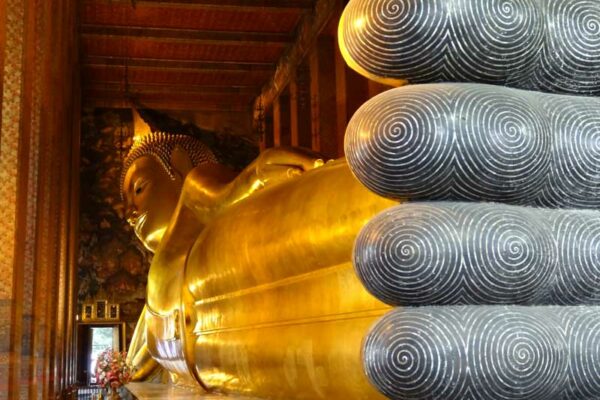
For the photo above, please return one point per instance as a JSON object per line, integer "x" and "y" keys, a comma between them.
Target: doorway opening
{"x": 102, "y": 338}
{"x": 92, "y": 339}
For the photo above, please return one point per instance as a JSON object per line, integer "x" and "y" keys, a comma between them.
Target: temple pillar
{"x": 300, "y": 113}
{"x": 281, "y": 120}
{"x": 323, "y": 97}
{"x": 352, "y": 90}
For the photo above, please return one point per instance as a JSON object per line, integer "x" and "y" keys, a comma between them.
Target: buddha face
{"x": 151, "y": 196}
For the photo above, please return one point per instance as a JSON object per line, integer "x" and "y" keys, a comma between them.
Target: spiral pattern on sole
{"x": 398, "y": 362}
{"x": 412, "y": 256}
{"x": 550, "y": 45}
{"x": 485, "y": 352}
{"x": 573, "y": 180}
{"x": 508, "y": 253}
{"x": 580, "y": 327}
{"x": 577, "y": 238}
{"x": 478, "y": 143}
{"x": 570, "y": 58}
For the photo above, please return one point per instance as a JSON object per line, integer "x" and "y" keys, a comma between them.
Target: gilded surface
{"x": 278, "y": 311}
{"x": 266, "y": 303}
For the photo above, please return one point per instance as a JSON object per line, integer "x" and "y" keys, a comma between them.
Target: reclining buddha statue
{"x": 454, "y": 255}
{"x": 251, "y": 289}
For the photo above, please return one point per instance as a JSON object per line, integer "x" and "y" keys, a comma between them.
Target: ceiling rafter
{"x": 141, "y": 77}
{"x": 223, "y": 99}
{"x": 224, "y": 71}
{"x": 310, "y": 26}
{"x": 134, "y": 73}
{"x": 189, "y": 35}
{"x": 157, "y": 88}
{"x": 241, "y": 5}
{"x": 178, "y": 64}
{"x": 160, "y": 51}
{"x": 167, "y": 105}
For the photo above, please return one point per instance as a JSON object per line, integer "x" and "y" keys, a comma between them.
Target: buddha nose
{"x": 132, "y": 216}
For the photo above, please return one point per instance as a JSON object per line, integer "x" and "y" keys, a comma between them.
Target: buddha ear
{"x": 181, "y": 162}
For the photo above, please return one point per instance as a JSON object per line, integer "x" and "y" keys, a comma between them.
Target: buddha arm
{"x": 165, "y": 330}
{"x": 138, "y": 354}
{"x": 168, "y": 265}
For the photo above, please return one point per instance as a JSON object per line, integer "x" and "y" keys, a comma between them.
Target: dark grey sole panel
{"x": 548, "y": 45}
{"x": 480, "y": 253}
{"x": 486, "y": 353}
{"x": 478, "y": 143}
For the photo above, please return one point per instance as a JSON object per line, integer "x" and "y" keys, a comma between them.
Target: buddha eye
{"x": 139, "y": 186}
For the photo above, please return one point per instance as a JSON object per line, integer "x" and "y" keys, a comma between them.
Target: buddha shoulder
{"x": 210, "y": 187}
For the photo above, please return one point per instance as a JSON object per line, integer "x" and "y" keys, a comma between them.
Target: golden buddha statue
{"x": 251, "y": 290}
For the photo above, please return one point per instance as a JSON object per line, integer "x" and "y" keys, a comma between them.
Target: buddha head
{"x": 152, "y": 179}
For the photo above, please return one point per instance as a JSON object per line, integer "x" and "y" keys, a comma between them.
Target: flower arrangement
{"x": 112, "y": 369}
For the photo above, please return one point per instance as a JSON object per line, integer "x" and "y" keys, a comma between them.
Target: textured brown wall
{"x": 112, "y": 263}
{"x": 37, "y": 188}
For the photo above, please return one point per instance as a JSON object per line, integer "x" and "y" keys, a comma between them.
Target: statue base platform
{"x": 148, "y": 391}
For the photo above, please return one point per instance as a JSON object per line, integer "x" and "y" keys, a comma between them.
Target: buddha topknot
{"x": 160, "y": 145}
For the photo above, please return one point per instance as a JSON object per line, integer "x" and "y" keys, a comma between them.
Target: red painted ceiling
{"x": 184, "y": 54}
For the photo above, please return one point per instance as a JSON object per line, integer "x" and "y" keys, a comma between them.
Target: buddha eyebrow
{"x": 139, "y": 182}
{"x": 129, "y": 187}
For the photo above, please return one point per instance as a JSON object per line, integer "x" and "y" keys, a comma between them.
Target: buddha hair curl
{"x": 160, "y": 145}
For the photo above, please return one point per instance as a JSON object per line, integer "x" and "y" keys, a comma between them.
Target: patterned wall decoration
{"x": 9, "y": 142}
{"x": 112, "y": 262}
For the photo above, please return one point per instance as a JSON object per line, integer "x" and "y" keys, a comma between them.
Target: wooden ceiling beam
{"x": 170, "y": 88}
{"x": 188, "y": 35}
{"x": 241, "y": 5}
{"x": 142, "y": 76}
{"x": 228, "y": 72}
{"x": 177, "y": 64}
{"x": 168, "y": 105}
{"x": 310, "y": 26}
{"x": 220, "y": 100}
{"x": 217, "y": 96}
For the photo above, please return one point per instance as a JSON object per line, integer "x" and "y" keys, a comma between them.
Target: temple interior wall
{"x": 38, "y": 196}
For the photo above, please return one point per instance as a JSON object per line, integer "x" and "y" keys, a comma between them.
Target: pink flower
{"x": 112, "y": 369}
